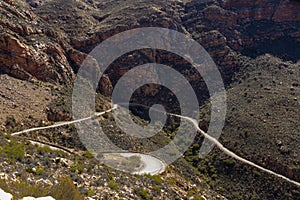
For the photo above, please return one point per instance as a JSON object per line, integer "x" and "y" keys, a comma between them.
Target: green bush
{"x": 143, "y": 193}
{"x": 157, "y": 189}
{"x": 88, "y": 154}
{"x": 156, "y": 178}
{"x": 113, "y": 185}
{"x": 10, "y": 122}
{"x": 197, "y": 197}
{"x": 89, "y": 192}
{"x": 78, "y": 166}
{"x": 39, "y": 171}
{"x": 65, "y": 190}
{"x": 13, "y": 151}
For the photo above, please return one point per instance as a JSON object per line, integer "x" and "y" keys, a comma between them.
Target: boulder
{"x": 39, "y": 198}
{"x": 5, "y": 195}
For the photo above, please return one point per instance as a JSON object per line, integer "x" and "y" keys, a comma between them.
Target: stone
{"x": 44, "y": 59}
{"x": 5, "y": 195}
{"x": 40, "y": 198}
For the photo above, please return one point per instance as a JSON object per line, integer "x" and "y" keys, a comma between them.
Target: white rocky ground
{"x": 4, "y": 195}
{"x": 7, "y": 196}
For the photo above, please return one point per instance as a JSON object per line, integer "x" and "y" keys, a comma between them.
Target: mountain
{"x": 255, "y": 45}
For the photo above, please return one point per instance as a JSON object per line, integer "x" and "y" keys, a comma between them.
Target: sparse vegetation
{"x": 255, "y": 105}
{"x": 113, "y": 185}
{"x": 78, "y": 166}
{"x": 88, "y": 154}
{"x": 143, "y": 193}
{"x": 13, "y": 151}
{"x": 11, "y": 122}
{"x": 156, "y": 178}
{"x": 64, "y": 190}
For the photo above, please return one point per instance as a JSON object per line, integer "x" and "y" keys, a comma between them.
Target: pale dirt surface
{"x": 23, "y": 100}
{"x": 151, "y": 165}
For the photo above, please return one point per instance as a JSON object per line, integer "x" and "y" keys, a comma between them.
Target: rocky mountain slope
{"x": 262, "y": 124}
{"x": 250, "y": 27}
{"x": 29, "y": 48}
{"x": 222, "y": 27}
{"x": 43, "y": 43}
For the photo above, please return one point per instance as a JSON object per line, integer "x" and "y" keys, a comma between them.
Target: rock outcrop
{"x": 30, "y": 48}
{"x": 39, "y": 198}
{"x": 87, "y": 23}
{"x": 222, "y": 27}
{"x": 250, "y": 27}
{"x": 4, "y": 195}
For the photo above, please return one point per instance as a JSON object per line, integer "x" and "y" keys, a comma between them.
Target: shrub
{"x": 113, "y": 185}
{"x": 256, "y": 173}
{"x": 78, "y": 166}
{"x": 105, "y": 115}
{"x": 88, "y": 154}
{"x": 89, "y": 192}
{"x": 156, "y": 178}
{"x": 143, "y": 193}
{"x": 229, "y": 162}
{"x": 39, "y": 171}
{"x": 71, "y": 128}
{"x": 10, "y": 122}
{"x": 65, "y": 190}
{"x": 197, "y": 197}
{"x": 13, "y": 151}
{"x": 22, "y": 188}
{"x": 157, "y": 189}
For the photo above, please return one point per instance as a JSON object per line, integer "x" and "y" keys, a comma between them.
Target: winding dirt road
{"x": 59, "y": 124}
{"x": 221, "y": 147}
{"x": 233, "y": 155}
{"x": 195, "y": 123}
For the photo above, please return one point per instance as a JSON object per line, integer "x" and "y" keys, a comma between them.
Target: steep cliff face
{"x": 87, "y": 23}
{"x": 277, "y": 11}
{"x": 250, "y": 27}
{"x": 29, "y": 47}
{"x": 222, "y": 27}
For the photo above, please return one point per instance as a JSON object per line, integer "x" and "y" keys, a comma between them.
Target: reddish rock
{"x": 221, "y": 16}
{"x": 287, "y": 11}
{"x": 266, "y": 9}
{"x": 57, "y": 115}
{"x": 27, "y": 51}
{"x": 246, "y": 24}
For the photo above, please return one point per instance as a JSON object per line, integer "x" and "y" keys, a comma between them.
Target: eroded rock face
{"x": 30, "y": 48}
{"x": 222, "y": 27}
{"x": 250, "y": 27}
{"x": 277, "y": 11}
{"x": 87, "y": 23}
